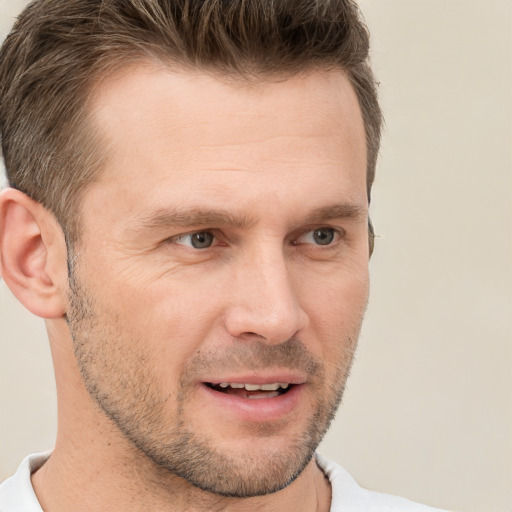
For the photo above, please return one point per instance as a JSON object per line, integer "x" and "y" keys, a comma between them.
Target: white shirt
{"x": 17, "y": 493}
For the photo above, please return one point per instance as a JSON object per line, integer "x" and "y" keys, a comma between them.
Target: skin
{"x": 151, "y": 318}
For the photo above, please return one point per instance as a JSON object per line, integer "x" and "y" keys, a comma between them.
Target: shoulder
{"x": 348, "y": 496}
{"x": 17, "y": 493}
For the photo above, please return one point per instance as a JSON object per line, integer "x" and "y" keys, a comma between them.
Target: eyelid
{"x": 176, "y": 239}
{"x": 339, "y": 234}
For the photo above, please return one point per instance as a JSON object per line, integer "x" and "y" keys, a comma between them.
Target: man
{"x": 188, "y": 210}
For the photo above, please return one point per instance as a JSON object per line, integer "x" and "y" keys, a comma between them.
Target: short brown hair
{"x": 59, "y": 49}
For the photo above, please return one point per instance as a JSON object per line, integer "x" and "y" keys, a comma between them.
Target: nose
{"x": 264, "y": 302}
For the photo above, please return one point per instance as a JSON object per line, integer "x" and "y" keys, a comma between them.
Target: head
{"x": 216, "y": 229}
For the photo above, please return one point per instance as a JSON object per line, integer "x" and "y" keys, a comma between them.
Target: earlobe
{"x": 32, "y": 254}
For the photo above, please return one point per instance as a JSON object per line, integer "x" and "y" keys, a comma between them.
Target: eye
{"x": 199, "y": 240}
{"x": 319, "y": 236}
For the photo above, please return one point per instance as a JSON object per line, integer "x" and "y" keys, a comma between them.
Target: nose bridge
{"x": 266, "y": 301}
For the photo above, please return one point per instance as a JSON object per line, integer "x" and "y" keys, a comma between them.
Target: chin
{"x": 249, "y": 467}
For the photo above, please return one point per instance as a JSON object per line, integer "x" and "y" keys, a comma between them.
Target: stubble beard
{"x": 121, "y": 381}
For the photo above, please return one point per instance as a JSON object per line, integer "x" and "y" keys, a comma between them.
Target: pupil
{"x": 323, "y": 236}
{"x": 202, "y": 240}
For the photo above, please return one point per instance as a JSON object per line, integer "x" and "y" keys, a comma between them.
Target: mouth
{"x": 251, "y": 390}
{"x": 254, "y": 399}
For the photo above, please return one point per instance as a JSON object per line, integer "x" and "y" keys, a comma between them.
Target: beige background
{"x": 428, "y": 410}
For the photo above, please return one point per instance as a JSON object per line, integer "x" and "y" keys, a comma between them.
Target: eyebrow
{"x": 192, "y": 217}
{"x": 354, "y": 212}
{"x": 185, "y": 218}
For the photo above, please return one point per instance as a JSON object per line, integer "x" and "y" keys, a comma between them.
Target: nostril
{"x": 250, "y": 336}
{"x": 269, "y": 321}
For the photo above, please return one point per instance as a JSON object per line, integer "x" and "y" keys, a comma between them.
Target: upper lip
{"x": 283, "y": 377}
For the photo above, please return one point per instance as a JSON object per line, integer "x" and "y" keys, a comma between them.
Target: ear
{"x": 33, "y": 254}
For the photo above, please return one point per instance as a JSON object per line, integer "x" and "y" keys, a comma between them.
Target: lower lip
{"x": 256, "y": 409}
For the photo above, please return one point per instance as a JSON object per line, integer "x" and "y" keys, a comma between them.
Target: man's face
{"x": 222, "y": 273}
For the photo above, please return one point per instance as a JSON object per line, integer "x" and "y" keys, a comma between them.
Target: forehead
{"x": 144, "y": 86}
{"x": 167, "y": 129}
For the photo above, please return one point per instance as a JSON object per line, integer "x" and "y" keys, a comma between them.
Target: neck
{"x": 83, "y": 481}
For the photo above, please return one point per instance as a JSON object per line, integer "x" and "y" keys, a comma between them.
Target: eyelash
{"x": 337, "y": 235}
{"x": 189, "y": 235}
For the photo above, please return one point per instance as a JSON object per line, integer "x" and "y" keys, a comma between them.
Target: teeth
{"x": 255, "y": 387}
{"x": 268, "y": 387}
{"x": 252, "y": 387}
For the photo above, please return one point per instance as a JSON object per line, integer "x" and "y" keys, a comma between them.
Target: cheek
{"x": 335, "y": 288}
{"x": 172, "y": 318}
{"x": 335, "y": 304}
